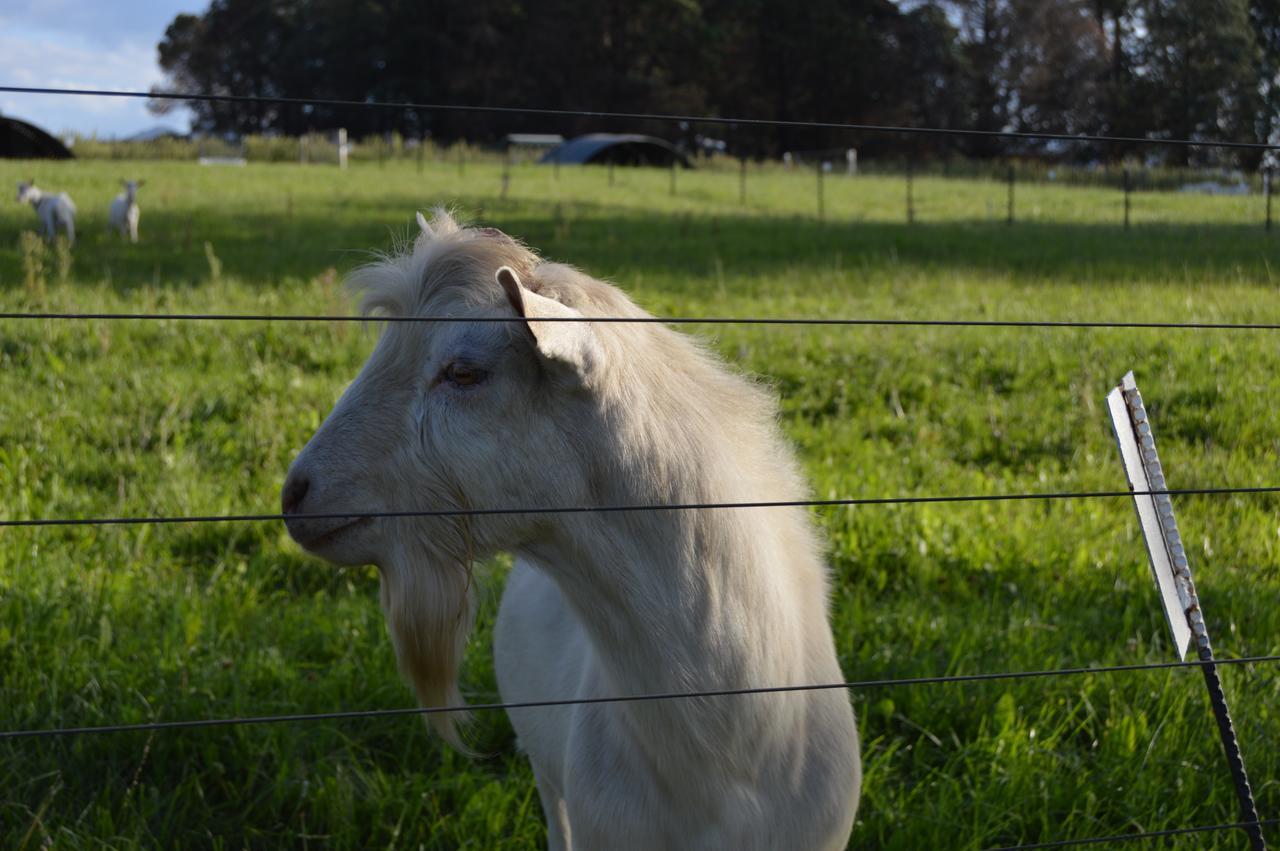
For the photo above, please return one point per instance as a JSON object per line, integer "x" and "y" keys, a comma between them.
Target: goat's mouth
{"x": 317, "y": 535}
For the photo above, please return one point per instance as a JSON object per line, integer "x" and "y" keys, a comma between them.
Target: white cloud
{"x": 84, "y": 45}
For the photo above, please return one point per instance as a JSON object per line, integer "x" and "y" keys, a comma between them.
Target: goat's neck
{"x": 685, "y": 600}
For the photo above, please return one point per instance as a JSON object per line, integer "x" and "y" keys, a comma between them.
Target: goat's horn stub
{"x": 510, "y": 282}
{"x": 423, "y": 224}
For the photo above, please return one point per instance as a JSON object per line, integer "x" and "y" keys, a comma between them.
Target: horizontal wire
{"x": 636, "y": 698}
{"x": 670, "y": 320}
{"x": 606, "y": 509}
{"x": 635, "y": 116}
{"x": 1130, "y": 837}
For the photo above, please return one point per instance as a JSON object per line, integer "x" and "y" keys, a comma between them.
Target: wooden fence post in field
{"x": 911, "y": 204}
{"x": 1266, "y": 188}
{"x": 1127, "y": 187}
{"x": 1009, "y": 217}
{"x": 822, "y": 167}
{"x": 343, "y": 149}
{"x": 1172, "y": 571}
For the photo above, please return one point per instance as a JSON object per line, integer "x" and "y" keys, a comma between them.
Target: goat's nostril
{"x": 295, "y": 491}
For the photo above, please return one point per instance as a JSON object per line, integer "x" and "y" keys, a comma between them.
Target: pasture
{"x": 105, "y": 625}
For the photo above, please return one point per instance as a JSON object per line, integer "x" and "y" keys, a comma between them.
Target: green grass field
{"x": 132, "y": 624}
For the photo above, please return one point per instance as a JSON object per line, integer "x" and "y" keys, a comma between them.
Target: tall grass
{"x": 129, "y": 624}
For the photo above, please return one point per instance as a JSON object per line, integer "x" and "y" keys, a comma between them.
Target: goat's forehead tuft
{"x": 447, "y": 265}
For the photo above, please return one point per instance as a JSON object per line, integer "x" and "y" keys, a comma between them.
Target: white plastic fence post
{"x": 1172, "y": 573}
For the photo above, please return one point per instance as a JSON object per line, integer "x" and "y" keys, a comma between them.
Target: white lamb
{"x": 53, "y": 210}
{"x": 124, "y": 213}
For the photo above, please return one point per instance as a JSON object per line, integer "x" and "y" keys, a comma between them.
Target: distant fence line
{"x": 843, "y": 165}
{"x": 322, "y": 149}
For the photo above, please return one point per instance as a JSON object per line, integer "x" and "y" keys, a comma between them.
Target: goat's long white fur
{"x": 124, "y": 213}
{"x": 538, "y": 413}
{"x": 54, "y": 210}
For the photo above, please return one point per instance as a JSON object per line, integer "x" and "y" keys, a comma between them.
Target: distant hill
{"x": 153, "y": 133}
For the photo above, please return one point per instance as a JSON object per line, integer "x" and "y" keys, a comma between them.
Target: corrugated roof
{"x": 621, "y": 148}
{"x": 22, "y": 140}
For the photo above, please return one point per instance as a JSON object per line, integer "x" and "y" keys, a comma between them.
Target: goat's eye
{"x": 463, "y": 375}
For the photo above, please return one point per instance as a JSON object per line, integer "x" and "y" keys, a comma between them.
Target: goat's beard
{"x": 427, "y": 600}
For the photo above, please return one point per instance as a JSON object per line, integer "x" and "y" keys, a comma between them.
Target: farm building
{"x": 22, "y": 140}
{"x": 616, "y": 148}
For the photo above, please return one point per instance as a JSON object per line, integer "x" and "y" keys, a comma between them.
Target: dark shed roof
{"x": 618, "y": 148}
{"x": 20, "y": 140}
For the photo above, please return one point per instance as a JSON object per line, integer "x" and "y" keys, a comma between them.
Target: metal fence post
{"x": 1172, "y": 572}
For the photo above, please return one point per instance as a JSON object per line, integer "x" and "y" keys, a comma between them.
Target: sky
{"x": 85, "y": 44}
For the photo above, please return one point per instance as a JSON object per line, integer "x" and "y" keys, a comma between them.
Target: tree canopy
{"x": 1200, "y": 69}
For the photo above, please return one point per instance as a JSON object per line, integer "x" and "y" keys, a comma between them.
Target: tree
{"x": 1264, "y": 15}
{"x": 1202, "y": 64}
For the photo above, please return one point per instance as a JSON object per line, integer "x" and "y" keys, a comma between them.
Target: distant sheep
{"x": 53, "y": 210}
{"x": 124, "y": 213}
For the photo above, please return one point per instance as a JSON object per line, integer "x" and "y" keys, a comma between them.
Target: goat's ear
{"x": 566, "y": 340}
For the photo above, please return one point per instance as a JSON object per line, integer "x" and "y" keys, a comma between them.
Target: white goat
{"x": 53, "y": 210}
{"x": 124, "y": 213}
{"x": 525, "y": 412}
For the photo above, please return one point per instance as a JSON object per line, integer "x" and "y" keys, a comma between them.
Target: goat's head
{"x": 449, "y": 416}
{"x": 27, "y": 191}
